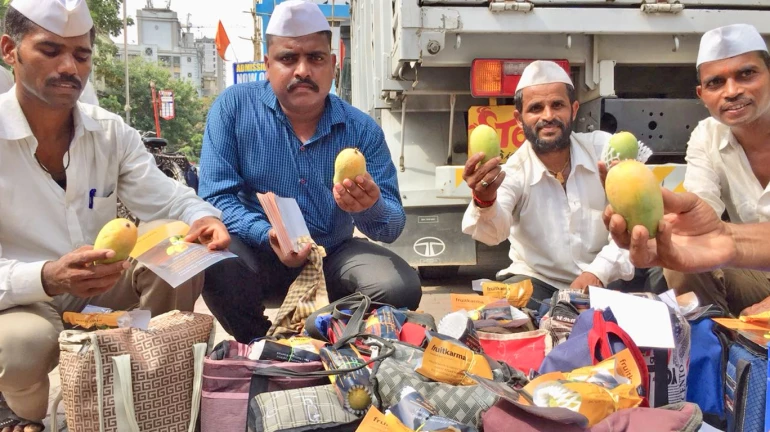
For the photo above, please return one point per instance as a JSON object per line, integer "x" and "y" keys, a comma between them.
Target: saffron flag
{"x": 221, "y": 40}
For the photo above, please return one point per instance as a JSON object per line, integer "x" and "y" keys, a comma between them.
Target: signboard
{"x": 500, "y": 118}
{"x": 166, "y": 104}
{"x": 249, "y": 72}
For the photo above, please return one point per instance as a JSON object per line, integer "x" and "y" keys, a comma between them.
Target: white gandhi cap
{"x": 541, "y": 72}
{"x": 729, "y": 41}
{"x": 66, "y": 18}
{"x": 295, "y": 18}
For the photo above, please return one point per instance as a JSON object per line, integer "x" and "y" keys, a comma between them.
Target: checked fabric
{"x": 306, "y": 295}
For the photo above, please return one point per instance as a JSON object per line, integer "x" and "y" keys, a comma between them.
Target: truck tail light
{"x": 499, "y": 77}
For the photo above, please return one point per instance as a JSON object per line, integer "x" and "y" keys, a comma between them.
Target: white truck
{"x": 429, "y": 71}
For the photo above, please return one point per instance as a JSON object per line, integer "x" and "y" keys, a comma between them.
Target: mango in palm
{"x": 484, "y": 139}
{"x": 118, "y": 235}
{"x": 350, "y": 163}
{"x": 634, "y": 193}
{"x": 624, "y": 145}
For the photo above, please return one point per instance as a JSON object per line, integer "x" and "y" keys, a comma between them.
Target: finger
{"x": 367, "y": 184}
{"x": 354, "y": 190}
{"x": 638, "y": 249}
{"x": 602, "y": 172}
{"x": 665, "y": 248}
{"x": 681, "y": 202}
{"x": 196, "y": 233}
{"x": 344, "y": 199}
{"x": 90, "y": 255}
{"x": 607, "y": 216}
{"x": 619, "y": 231}
{"x": 103, "y": 270}
{"x": 470, "y": 165}
{"x": 220, "y": 239}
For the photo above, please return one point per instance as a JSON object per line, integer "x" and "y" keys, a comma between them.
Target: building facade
{"x": 162, "y": 39}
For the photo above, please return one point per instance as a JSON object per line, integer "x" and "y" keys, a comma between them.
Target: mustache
{"x": 543, "y": 123}
{"x": 65, "y": 79}
{"x": 302, "y": 81}
{"x": 731, "y": 102}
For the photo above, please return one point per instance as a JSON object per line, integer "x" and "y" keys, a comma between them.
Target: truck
{"x": 429, "y": 71}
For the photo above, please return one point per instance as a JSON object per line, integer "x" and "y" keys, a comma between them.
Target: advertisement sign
{"x": 166, "y": 104}
{"x": 249, "y": 72}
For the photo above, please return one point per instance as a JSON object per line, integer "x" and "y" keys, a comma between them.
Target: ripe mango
{"x": 118, "y": 235}
{"x": 484, "y": 139}
{"x": 624, "y": 145}
{"x": 350, "y": 163}
{"x": 634, "y": 193}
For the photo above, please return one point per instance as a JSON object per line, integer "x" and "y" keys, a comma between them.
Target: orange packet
{"x": 90, "y": 320}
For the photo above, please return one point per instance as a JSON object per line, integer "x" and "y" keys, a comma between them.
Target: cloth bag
{"x": 133, "y": 380}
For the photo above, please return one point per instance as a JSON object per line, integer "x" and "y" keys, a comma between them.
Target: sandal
{"x": 15, "y": 424}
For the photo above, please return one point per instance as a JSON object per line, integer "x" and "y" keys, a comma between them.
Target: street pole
{"x": 125, "y": 61}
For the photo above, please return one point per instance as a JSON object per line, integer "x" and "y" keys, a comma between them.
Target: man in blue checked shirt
{"x": 283, "y": 136}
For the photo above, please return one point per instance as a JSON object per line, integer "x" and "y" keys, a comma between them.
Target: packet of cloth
{"x": 414, "y": 413}
{"x": 448, "y": 360}
{"x": 296, "y": 349}
{"x": 517, "y": 293}
{"x": 102, "y": 318}
{"x": 498, "y": 314}
{"x": 593, "y": 391}
{"x": 385, "y": 322}
{"x": 354, "y": 389}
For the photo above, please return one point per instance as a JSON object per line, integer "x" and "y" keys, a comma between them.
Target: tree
{"x": 183, "y": 130}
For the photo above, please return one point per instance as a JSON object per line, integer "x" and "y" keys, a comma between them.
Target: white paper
{"x": 669, "y": 298}
{"x": 646, "y": 321}
{"x": 476, "y": 284}
{"x": 292, "y": 220}
{"x": 137, "y": 318}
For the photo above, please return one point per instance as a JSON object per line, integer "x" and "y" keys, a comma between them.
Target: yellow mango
{"x": 624, "y": 145}
{"x": 350, "y": 163}
{"x": 484, "y": 139}
{"x": 118, "y": 235}
{"x": 634, "y": 193}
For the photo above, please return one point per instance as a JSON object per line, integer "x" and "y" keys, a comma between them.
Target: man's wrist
{"x": 50, "y": 290}
{"x": 483, "y": 203}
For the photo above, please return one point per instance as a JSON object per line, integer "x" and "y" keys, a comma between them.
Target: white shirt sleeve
{"x": 6, "y": 80}
{"x": 149, "y": 193}
{"x": 612, "y": 263}
{"x": 700, "y": 177}
{"x": 20, "y": 283}
{"x": 492, "y": 225}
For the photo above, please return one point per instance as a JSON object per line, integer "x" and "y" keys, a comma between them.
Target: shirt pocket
{"x": 103, "y": 211}
{"x": 597, "y": 235}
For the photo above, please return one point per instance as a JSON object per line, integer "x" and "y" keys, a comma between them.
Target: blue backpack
{"x": 708, "y": 364}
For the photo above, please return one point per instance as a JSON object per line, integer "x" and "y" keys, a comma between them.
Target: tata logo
{"x": 429, "y": 247}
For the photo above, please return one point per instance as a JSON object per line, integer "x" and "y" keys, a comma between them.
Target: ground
{"x": 435, "y": 301}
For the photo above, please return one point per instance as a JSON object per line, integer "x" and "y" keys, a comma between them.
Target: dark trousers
{"x": 235, "y": 289}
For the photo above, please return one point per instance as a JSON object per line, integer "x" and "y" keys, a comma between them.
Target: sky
{"x": 204, "y": 16}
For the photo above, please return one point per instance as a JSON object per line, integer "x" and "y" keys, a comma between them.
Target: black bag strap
{"x": 356, "y": 302}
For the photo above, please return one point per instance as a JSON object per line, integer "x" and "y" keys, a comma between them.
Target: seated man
{"x": 547, "y": 199}
{"x": 63, "y": 165}
{"x": 728, "y": 155}
{"x": 283, "y": 136}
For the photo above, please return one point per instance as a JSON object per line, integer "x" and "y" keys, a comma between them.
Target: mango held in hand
{"x": 624, "y": 145}
{"x": 118, "y": 235}
{"x": 634, "y": 193}
{"x": 484, "y": 139}
{"x": 350, "y": 163}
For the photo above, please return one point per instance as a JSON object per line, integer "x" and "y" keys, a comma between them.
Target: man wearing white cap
{"x": 283, "y": 136}
{"x": 63, "y": 164}
{"x": 547, "y": 199}
{"x": 728, "y": 155}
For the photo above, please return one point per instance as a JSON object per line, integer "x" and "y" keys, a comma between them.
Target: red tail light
{"x": 499, "y": 77}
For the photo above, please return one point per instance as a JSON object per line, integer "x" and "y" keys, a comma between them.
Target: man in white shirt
{"x": 728, "y": 155}
{"x": 63, "y": 164}
{"x": 547, "y": 199}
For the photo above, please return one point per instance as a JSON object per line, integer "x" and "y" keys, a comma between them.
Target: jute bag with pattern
{"x": 131, "y": 380}
{"x": 305, "y": 296}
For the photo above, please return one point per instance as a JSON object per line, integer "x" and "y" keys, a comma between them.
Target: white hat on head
{"x": 729, "y": 41}
{"x": 66, "y": 18}
{"x": 295, "y": 18}
{"x": 541, "y": 72}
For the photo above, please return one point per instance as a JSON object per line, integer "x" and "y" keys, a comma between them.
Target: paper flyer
{"x": 164, "y": 251}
